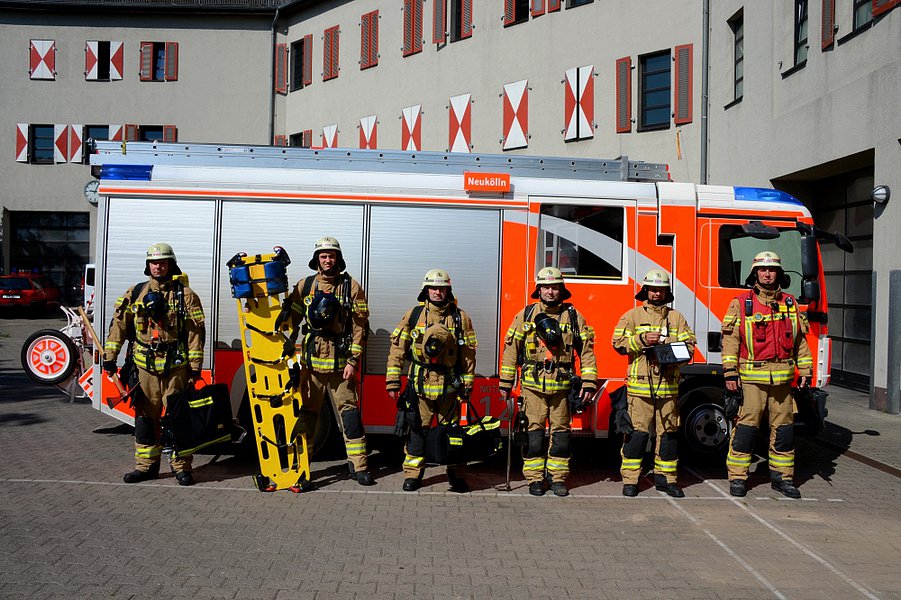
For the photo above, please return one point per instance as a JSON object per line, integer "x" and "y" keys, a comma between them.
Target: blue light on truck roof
{"x": 764, "y": 195}
{"x": 126, "y": 172}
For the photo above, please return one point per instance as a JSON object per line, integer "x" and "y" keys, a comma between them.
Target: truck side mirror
{"x": 843, "y": 242}
{"x": 810, "y": 291}
{"x": 809, "y": 263}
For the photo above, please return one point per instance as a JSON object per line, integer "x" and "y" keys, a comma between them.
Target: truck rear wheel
{"x": 704, "y": 427}
{"x": 49, "y": 356}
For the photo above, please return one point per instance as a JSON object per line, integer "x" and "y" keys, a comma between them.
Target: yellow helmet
{"x": 550, "y": 276}
{"x": 327, "y": 243}
{"x": 161, "y": 251}
{"x": 766, "y": 259}
{"x": 656, "y": 278}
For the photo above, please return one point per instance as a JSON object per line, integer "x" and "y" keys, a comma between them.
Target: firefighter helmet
{"x": 550, "y": 276}
{"x": 435, "y": 278}
{"x": 436, "y": 341}
{"x": 655, "y": 278}
{"x": 768, "y": 258}
{"x": 155, "y": 306}
{"x": 547, "y": 329}
{"x": 327, "y": 243}
{"x": 161, "y": 251}
{"x": 322, "y": 310}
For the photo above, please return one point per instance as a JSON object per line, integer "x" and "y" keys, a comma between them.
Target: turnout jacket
{"x": 433, "y": 379}
{"x": 544, "y": 370}
{"x": 341, "y": 342}
{"x": 646, "y": 378}
{"x": 765, "y": 346}
{"x": 175, "y": 342}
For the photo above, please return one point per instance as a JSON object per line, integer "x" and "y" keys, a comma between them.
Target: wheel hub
{"x": 708, "y": 426}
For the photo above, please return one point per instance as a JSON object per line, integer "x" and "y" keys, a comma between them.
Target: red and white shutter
{"x": 115, "y": 132}
{"x": 553, "y": 5}
{"x": 368, "y": 132}
{"x": 439, "y": 21}
{"x": 307, "y": 59}
{"x": 578, "y": 103}
{"x": 881, "y": 6}
{"x": 90, "y": 61}
{"x": 537, "y": 7}
{"x": 624, "y": 94}
{"x": 75, "y": 145}
{"x": 146, "y": 62}
{"x": 460, "y": 126}
{"x": 281, "y": 68}
{"x": 516, "y": 115}
{"x": 60, "y": 143}
{"x": 171, "y": 61}
{"x": 21, "y": 142}
{"x": 330, "y": 136}
{"x": 42, "y": 59}
{"x": 684, "y": 82}
{"x": 466, "y": 20}
{"x": 411, "y": 128}
{"x": 116, "y": 60}
{"x": 827, "y": 24}
{"x": 170, "y": 133}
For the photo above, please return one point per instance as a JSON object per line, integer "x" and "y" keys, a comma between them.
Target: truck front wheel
{"x": 704, "y": 427}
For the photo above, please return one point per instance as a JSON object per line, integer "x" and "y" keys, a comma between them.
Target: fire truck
{"x": 491, "y": 221}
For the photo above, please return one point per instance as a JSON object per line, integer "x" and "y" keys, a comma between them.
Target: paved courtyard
{"x": 69, "y": 527}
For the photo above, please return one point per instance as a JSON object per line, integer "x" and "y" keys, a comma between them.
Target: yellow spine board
{"x": 278, "y": 427}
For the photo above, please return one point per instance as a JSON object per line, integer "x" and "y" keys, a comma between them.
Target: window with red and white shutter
{"x": 516, "y": 115}
{"x": 158, "y": 61}
{"x": 411, "y": 128}
{"x": 460, "y": 123}
{"x": 103, "y": 60}
{"x": 578, "y": 103}
{"x": 42, "y": 59}
{"x": 369, "y": 40}
{"x": 330, "y": 136}
{"x": 369, "y": 132}
{"x": 624, "y": 95}
{"x": 330, "y": 53}
{"x": 412, "y": 27}
{"x": 683, "y": 80}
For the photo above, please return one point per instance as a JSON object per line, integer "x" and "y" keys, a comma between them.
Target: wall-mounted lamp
{"x": 881, "y": 194}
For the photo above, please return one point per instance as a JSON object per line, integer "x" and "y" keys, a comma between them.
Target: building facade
{"x": 794, "y": 94}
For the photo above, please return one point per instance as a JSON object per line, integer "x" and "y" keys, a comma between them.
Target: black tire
{"x": 704, "y": 427}
{"x": 49, "y": 356}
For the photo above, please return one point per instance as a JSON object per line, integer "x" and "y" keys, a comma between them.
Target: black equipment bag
{"x": 812, "y": 412}
{"x": 196, "y": 419}
{"x": 453, "y": 444}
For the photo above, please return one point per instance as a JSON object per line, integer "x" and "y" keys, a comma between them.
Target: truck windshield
{"x": 737, "y": 250}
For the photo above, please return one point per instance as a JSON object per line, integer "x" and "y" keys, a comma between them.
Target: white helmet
{"x": 161, "y": 251}
{"x": 656, "y": 278}
{"x": 435, "y": 278}
{"x": 550, "y": 276}
{"x": 327, "y": 243}
{"x": 766, "y": 259}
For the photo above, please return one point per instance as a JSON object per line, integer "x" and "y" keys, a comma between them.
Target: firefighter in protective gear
{"x": 439, "y": 341}
{"x": 332, "y": 309}
{"x": 163, "y": 319}
{"x": 652, "y": 389}
{"x": 764, "y": 344}
{"x": 543, "y": 354}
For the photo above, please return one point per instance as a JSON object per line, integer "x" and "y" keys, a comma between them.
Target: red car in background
{"x": 28, "y": 291}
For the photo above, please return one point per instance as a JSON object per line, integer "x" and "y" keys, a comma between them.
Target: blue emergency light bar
{"x": 764, "y": 195}
{"x": 126, "y": 172}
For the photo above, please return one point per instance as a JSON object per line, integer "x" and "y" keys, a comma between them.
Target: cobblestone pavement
{"x": 69, "y": 527}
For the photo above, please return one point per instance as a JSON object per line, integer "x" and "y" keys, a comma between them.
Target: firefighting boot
{"x": 737, "y": 488}
{"x": 559, "y": 489}
{"x": 630, "y": 490}
{"x": 536, "y": 488}
{"x": 361, "y": 477}
{"x": 670, "y": 489}
{"x": 787, "y": 488}
{"x": 457, "y": 483}
{"x": 184, "y": 478}
{"x": 411, "y": 484}
{"x": 138, "y": 476}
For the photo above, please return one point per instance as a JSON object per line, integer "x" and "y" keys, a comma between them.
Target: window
{"x": 95, "y": 133}
{"x": 330, "y": 53}
{"x": 40, "y": 149}
{"x": 582, "y": 241}
{"x": 575, "y": 3}
{"x": 42, "y": 59}
{"x": 863, "y": 13}
{"x": 150, "y": 133}
{"x": 654, "y": 94}
{"x": 298, "y": 57}
{"x": 103, "y": 60}
{"x": 159, "y": 61}
{"x": 737, "y": 250}
{"x": 800, "y": 32}
{"x": 460, "y": 19}
{"x": 301, "y": 139}
{"x": 516, "y": 11}
{"x": 369, "y": 40}
{"x": 737, "y": 24}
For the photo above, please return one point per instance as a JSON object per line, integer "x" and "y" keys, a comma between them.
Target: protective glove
{"x": 109, "y": 367}
{"x": 623, "y": 421}
{"x": 731, "y": 402}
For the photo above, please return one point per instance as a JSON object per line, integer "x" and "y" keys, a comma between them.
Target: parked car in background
{"x": 33, "y": 292}
{"x": 87, "y": 289}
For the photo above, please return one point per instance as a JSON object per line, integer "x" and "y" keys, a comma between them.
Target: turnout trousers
{"x": 442, "y": 410}
{"x": 342, "y": 393}
{"x": 663, "y": 415}
{"x": 155, "y": 391}
{"x": 540, "y": 408}
{"x": 777, "y": 402}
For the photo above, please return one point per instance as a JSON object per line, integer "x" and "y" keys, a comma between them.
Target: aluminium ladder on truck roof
{"x": 225, "y": 155}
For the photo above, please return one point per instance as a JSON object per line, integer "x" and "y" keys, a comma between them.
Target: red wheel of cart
{"x": 49, "y": 356}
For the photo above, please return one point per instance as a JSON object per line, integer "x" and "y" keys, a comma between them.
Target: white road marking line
{"x": 835, "y": 570}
